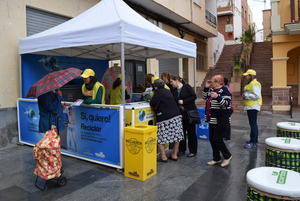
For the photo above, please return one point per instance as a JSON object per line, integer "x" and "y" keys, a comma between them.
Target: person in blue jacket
{"x": 51, "y": 111}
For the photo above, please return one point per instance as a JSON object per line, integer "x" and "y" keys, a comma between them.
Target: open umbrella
{"x": 53, "y": 81}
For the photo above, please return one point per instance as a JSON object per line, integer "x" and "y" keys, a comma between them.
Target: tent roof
{"x": 98, "y": 32}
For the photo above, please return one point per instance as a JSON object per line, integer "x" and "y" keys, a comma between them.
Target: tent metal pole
{"x": 20, "y": 77}
{"x": 123, "y": 72}
{"x": 195, "y": 70}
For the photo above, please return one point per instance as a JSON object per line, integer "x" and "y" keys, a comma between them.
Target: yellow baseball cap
{"x": 87, "y": 73}
{"x": 250, "y": 72}
{"x": 119, "y": 76}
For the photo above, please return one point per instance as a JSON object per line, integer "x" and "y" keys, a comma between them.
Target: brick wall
{"x": 245, "y": 23}
{"x": 281, "y": 96}
{"x": 222, "y": 9}
{"x": 222, "y": 21}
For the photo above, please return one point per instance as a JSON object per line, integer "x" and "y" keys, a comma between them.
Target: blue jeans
{"x": 252, "y": 117}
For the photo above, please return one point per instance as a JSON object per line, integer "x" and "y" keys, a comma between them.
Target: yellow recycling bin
{"x": 140, "y": 152}
{"x": 138, "y": 114}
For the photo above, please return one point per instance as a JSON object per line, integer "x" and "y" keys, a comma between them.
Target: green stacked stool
{"x": 288, "y": 129}
{"x": 283, "y": 152}
{"x": 273, "y": 184}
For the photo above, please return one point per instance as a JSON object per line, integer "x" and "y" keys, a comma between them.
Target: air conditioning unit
{"x": 228, "y": 28}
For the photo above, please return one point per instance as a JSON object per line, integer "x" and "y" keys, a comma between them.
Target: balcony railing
{"x": 295, "y": 11}
{"x": 210, "y": 17}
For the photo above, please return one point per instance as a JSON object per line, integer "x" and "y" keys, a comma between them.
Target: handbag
{"x": 193, "y": 117}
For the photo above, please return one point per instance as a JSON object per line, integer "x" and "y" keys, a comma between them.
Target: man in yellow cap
{"x": 252, "y": 101}
{"x": 156, "y": 78}
{"x": 149, "y": 92}
{"x": 92, "y": 90}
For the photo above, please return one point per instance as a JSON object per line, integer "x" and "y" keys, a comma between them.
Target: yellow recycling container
{"x": 140, "y": 152}
{"x": 138, "y": 114}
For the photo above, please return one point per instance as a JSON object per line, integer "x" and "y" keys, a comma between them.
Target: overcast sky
{"x": 256, "y": 7}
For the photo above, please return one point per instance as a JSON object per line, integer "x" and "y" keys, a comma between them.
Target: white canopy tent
{"x": 110, "y": 30}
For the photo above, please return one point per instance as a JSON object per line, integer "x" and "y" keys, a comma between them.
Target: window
{"x": 201, "y": 62}
{"x": 38, "y": 20}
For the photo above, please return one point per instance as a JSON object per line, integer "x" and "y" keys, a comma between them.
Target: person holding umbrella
{"x": 92, "y": 90}
{"x": 51, "y": 111}
{"x": 49, "y": 97}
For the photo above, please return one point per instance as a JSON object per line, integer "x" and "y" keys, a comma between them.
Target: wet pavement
{"x": 188, "y": 179}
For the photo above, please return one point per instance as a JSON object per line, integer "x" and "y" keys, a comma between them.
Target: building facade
{"x": 285, "y": 23}
{"x": 267, "y": 32}
{"x": 234, "y": 17}
{"x": 192, "y": 20}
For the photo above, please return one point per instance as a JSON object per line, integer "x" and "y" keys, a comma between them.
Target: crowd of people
{"x": 173, "y": 102}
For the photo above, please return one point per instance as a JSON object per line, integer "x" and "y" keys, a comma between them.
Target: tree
{"x": 248, "y": 36}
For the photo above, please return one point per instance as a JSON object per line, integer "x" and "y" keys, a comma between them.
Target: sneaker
{"x": 212, "y": 163}
{"x": 226, "y": 162}
{"x": 249, "y": 145}
{"x": 190, "y": 155}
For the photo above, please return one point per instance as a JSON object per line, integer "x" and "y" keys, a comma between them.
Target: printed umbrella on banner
{"x": 53, "y": 81}
{"x": 111, "y": 75}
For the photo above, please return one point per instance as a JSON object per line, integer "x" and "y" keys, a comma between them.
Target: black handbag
{"x": 193, "y": 117}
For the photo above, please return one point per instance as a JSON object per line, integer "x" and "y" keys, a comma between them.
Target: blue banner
{"x": 35, "y": 66}
{"x": 91, "y": 133}
{"x": 202, "y": 129}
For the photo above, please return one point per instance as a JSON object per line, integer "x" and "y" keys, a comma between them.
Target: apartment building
{"x": 234, "y": 17}
{"x": 267, "y": 32}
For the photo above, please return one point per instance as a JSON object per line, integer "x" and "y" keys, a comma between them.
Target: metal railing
{"x": 210, "y": 17}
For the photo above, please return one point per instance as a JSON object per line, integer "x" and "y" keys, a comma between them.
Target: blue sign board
{"x": 202, "y": 129}
{"x": 90, "y": 133}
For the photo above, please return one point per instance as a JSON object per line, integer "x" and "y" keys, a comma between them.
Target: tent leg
{"x": 195, "y": 70}
{"x": 20, "y": 77}
{"x": 123, "y": 72}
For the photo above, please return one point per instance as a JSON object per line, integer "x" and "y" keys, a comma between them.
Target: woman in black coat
{"x": 168, "y": 119}
{"x": 185, "y": 97}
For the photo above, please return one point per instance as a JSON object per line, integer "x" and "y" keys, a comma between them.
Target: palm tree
{"x": 248, "y": 36}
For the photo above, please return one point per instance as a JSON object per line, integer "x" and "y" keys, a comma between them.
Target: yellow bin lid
{"x": 144, "y": 129}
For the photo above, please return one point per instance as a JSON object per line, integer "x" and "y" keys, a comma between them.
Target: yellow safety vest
{"x": 152, "y": 92}
{"x": 116, "y": 96}
{"x": 249, "y": 87}
{"x": 95, "y": 90}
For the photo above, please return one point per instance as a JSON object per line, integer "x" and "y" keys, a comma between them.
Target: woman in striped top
{"x": 218, "y": 111}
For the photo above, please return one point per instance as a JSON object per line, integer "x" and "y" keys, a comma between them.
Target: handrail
{"x": 291, "y": 106}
